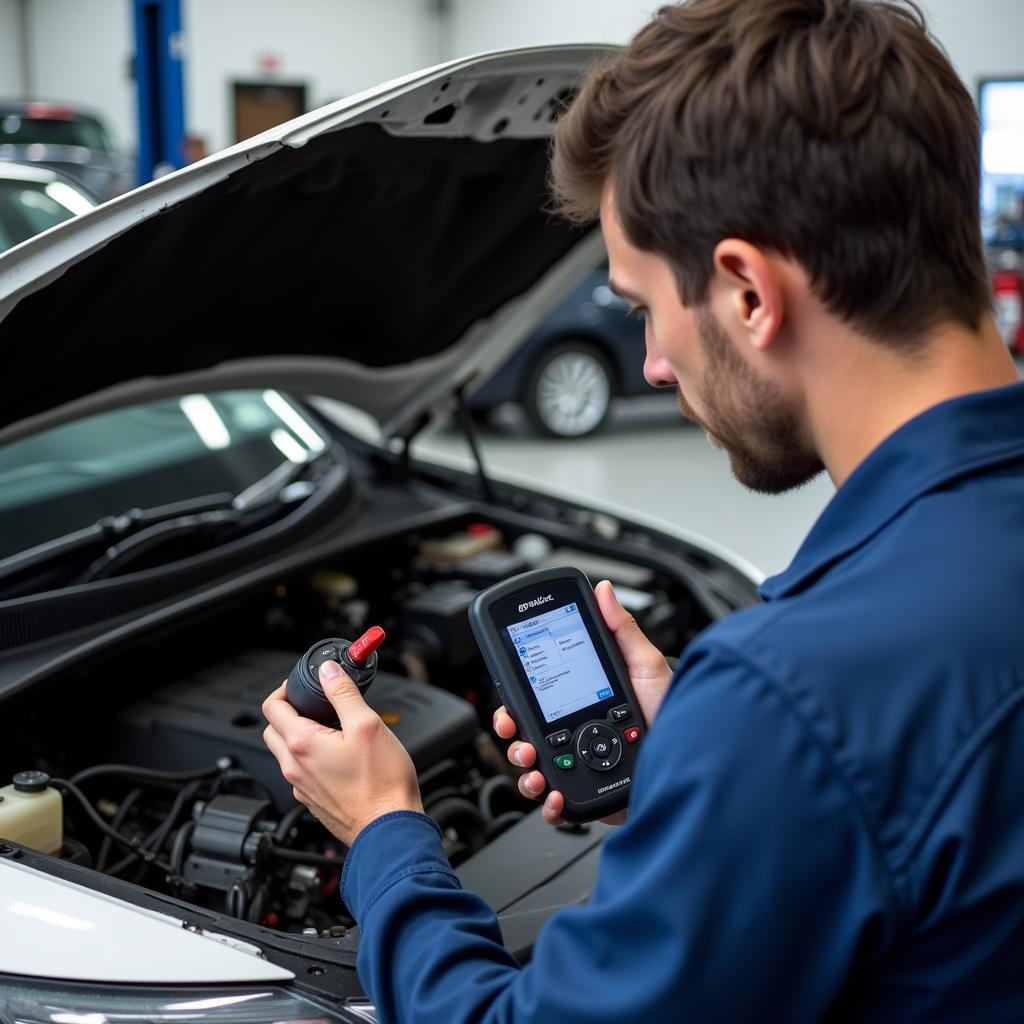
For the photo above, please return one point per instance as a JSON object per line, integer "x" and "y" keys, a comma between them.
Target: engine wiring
{"x": 212, "y": 835}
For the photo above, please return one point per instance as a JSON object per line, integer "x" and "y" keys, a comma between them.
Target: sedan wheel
{"x": 569, "y": 392}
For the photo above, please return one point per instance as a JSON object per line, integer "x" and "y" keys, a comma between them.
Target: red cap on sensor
{"x": 359, "y": 650}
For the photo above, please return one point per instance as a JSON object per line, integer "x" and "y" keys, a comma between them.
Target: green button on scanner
{"x": 565, "y": 761}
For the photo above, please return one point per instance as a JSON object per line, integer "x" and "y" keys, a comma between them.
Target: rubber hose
{"x": 497, "y": 784}
{"x": 102, "y": 825}
{"x": 452, "y": 812}
{"x": 318, "y": 860}
{"x": 115, "y": 823}
{"x": 135, "y": 772}
{"x": 503, "y": 822}
{"x": 288, "y": 822}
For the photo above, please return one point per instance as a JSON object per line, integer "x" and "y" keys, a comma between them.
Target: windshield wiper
{"x": 123, "y": 538}
{"x": 137, "y": 544}
{"x": 106, "y": 532}
{"x": 257, "y": 505}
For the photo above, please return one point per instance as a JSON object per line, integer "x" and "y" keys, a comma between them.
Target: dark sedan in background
{"x": 588, "y": 352}
{"x": 566, "y": 374}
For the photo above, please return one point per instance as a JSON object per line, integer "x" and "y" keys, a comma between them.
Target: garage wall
{"x": 335, "y": 47}
{"x": 81, "y": 49}
{"x": 10, "y": 59}
{"x": 982, "y": 37}
{"x": 495, "y": 24}
{"x": 81, "y": 52}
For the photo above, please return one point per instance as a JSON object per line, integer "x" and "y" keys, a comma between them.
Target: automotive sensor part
{"x": 358, "y": 658}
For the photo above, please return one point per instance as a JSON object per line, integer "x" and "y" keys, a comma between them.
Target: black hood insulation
{"x": 361, "y": 244}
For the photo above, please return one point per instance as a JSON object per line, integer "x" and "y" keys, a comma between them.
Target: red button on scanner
{"x": 632, "y": 734}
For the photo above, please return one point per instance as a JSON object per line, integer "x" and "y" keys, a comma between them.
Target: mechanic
{"x": 827, "y": 818}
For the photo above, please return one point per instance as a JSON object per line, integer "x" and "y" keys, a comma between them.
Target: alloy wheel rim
{"x": 573, "y": 392}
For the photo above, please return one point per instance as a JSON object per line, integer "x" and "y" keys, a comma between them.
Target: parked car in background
{"x": 183, "y": 513}
{"x": 33, "y": 199}
{"x": 588, "y": 352}
{"x": 69, "y": 139}
{"x": 567, "y": 373}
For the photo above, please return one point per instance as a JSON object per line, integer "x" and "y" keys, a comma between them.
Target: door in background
{"x": 262, "y": 105}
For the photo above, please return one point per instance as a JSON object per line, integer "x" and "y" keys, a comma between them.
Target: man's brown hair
{"x": 835, "y": 132}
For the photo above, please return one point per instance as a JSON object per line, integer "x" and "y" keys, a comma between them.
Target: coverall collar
{"x": 950, "y": 439}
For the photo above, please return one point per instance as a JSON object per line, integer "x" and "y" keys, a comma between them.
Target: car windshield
{"x": 69, "y": 477}
{"x": 20, "y": 130}
{"x": 28, "y": 207}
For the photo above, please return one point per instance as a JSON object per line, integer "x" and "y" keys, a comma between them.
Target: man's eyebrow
{"x": 624, "y": 293}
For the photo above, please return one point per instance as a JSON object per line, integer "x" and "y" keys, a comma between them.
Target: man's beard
{"x": 748, "y": 417}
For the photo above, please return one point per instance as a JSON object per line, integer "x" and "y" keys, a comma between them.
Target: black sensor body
{"x": 559, "y": 672}
{"x": 304, "y": 691}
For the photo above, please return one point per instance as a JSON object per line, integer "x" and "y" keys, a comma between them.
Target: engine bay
{"x": 158, "y": 753}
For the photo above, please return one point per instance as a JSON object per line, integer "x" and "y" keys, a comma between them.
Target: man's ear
{"x": 747, "y": 292}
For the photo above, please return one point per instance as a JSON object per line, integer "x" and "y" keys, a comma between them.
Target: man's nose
{"x": 657, "y": 371}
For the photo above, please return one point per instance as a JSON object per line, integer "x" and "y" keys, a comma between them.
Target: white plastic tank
{"x": 31, "y": 813}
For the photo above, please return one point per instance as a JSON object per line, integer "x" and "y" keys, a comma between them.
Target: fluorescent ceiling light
{"x": 288, "y": 446}
{"x": 205, "y": 421}
{"x": 68, "y": 197}
{"x": 299, "y": 427}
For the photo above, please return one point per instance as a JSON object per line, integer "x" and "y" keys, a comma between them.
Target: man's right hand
{"x": 649, "y": 673}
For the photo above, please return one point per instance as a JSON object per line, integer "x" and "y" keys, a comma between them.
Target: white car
{"x": 33, "y": 199}
{"x": 187, "y": 504}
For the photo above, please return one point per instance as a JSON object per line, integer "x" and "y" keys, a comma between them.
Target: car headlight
{"x": 27, "y": 1001}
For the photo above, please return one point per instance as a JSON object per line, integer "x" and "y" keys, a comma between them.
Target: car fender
{"x": 52, "y": 928}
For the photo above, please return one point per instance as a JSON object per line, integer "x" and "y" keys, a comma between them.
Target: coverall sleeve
{"x": 745, "y": 885}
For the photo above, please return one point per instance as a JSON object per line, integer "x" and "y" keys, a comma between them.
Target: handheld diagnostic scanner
{"x": 559, "y": 671}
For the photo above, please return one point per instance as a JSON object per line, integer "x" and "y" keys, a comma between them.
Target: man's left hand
{"x": 347, "y": 777}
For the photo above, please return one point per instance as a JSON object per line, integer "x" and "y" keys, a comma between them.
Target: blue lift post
{"x": 159, "y": 80}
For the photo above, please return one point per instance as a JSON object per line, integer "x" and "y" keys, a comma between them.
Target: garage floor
{"x": 649, "y": 461}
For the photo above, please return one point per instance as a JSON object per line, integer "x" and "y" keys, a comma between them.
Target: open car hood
{"x": 385, "y": 250}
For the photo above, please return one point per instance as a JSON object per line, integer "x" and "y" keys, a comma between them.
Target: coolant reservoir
{"x": 31, "y": 813}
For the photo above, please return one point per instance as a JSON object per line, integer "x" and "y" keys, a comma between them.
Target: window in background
{"x": 1001, "y": 103}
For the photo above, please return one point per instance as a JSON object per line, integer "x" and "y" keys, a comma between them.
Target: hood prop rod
{"x": 469, "y": 431}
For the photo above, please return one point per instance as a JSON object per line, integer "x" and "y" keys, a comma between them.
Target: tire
{"x": 569, "y": 390}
